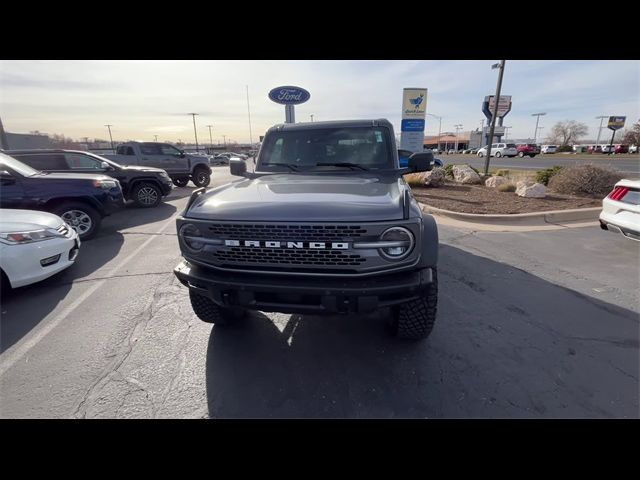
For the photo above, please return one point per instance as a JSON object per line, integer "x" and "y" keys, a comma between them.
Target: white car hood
{"x": 23, "y": 220}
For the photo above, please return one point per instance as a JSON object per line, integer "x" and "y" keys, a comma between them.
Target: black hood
{"x": 304, "y": 197}
{"x": 138, "y": 168}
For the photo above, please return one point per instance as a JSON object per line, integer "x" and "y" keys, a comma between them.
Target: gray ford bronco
{"x": 324, "y": 225}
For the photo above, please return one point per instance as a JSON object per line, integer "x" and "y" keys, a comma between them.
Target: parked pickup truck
{"x": 180, "y": 166}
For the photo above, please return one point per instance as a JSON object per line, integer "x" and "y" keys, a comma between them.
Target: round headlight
{"x": 190, "y": 235}
{"x": 400, "y": 243}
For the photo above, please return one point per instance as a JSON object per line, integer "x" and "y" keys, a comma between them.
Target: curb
{"x": 551, "y": 216}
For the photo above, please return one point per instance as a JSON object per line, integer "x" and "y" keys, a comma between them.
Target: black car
{"x": 144, "y": 185}
{"x": 81, "y": 199}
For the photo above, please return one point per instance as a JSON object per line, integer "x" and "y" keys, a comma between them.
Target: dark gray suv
{"x": 326, "y": 224}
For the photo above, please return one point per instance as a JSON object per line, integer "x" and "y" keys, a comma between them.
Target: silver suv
{"x": 500, "y": 150}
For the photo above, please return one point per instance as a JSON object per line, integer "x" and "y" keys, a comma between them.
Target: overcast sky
{"x": 146, "y": 98}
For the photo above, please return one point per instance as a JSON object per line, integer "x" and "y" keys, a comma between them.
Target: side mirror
{"x": 181, "y": 154}
{"x": 421, "y": 162}
{"x": 6, "y": 178}
{"x": 437, "y": 162}
{"x": 106, "y": 166}
{"x": 238, "y": 167}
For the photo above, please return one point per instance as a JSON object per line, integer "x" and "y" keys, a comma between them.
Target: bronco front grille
{"x": 240, "y": 255}
{"x": 286, "y": 232}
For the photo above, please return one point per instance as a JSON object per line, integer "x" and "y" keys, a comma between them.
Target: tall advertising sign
{"x": 414, "y": 110}
{"x": 616, "y": 123}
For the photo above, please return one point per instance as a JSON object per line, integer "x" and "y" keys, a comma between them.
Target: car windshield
{"x": 17, "y": 166}
{"x": 360, "y": 147}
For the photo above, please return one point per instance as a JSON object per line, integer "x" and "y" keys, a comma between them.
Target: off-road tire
{"x": 201, "y": 177}
{"x": 414, "y": 320}
{"x": 138, "y": 192}
{"x": 209, "y": 312}
{"x": 92, "y": 213}
{"x": 180, "y": 182}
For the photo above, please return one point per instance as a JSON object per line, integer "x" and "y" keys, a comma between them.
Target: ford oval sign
{"x": 289, "y": 95}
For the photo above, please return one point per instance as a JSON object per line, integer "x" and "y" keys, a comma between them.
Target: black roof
{"x": 332, "y": 124}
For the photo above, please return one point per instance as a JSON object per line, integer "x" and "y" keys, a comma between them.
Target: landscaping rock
{"x": 434, "y": 178}
{"x": 465, "y": 174}
{"x": 494, "y": 182}
{"x": 529, "y": 190}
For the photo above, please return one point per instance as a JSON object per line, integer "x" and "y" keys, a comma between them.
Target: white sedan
{"x": 621, "y": 209}
{"x": 33, "y": 246}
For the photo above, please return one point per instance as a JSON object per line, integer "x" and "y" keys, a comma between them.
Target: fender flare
{"x": 430, "y": 241}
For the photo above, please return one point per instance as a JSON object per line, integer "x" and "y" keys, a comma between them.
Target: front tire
{"x": 498, "y": 154}
{"x": 146, "y": 195}
{"x": 480, "y": 154}
{"x": 201, "y": 177}
{"x": 209, "y": 312}
{"x": 521, "y": 154}
{"x": 82, "y": 218}
{"x": 414, "y": 320}
{"x": 180, "y": 182}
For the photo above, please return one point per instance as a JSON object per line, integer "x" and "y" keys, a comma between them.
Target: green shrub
{"x": 506, "y": 187}
{"x": 564, "y": 148}
{"x": 585, "y": 180}
{"x": 543, "y": 176}
{"x": 448, "y": 170}
{"x": 502, "y": 172}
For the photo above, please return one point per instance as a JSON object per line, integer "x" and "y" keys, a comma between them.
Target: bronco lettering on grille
{"x": 278, "y": 244}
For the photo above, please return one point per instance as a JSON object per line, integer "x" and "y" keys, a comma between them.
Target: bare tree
{"x": 567, "y": 132}
{"x": 632, "y": 136}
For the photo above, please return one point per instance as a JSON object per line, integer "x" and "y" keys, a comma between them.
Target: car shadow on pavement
{"x": 506, "y": 344}
{"x": 132, "y": 216}
{"x": 23, "y": 308}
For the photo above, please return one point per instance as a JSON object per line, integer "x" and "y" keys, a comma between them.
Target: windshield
{"x": 366, "y": 147}
{"x": 17, "y": 166}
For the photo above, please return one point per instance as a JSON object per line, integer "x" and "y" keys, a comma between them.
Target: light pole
{"x": 210, "y": 137}
{"x": 110, "y": 137}
{"x": 224, "y": 138}
{"x": 539, "y": 128}
{"x": 458, "y": 127}
{"x": 156, "y": 137}
{"x": 537, "y": 115}
{"x": 311, "y": 117}
{"x": 499, "y": 66}
{"x": 439, "y": 127}
{"x": 195, "y": 132}
{"x": 249, "y": 112}
{"x": 601, "y": 117}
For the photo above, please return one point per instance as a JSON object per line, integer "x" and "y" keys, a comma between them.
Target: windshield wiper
{"x": 293, "y": 168}
{"x": 342, "y": 164}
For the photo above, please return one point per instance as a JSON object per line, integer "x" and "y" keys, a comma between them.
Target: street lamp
{"x": 110, "y": 137}
{"x": 439, "y": 127}
{"x": 194, "y": 128}
{"x": 601, "y": 117}
{"x": 458, "y": 127}
{"x": 210, "y": 137}
{"x": 311, "y": 117}
{"x": 499, "y": 66}
{"x": 156, "y": 137}
{"x": 224, "y": 138}
{"x": 539, "y": 128}
{"x": 537, "y": 115}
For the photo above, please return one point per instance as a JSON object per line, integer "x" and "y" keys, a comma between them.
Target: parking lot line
{"x": 16, "y": 352}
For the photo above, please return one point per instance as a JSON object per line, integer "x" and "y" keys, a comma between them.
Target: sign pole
{"x": 611, "y": 143}
{"x": 493, "y": 118}
{"x": 289, "y": 114}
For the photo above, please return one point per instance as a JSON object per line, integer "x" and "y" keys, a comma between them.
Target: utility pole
{"x": 86, "y": 141}
{"x": 210, "y": 137}
{"x": 195, "y": 132}
{"x": 499, "y": 66}
{"x": 156, "y": 137}
{"x": 249, "y": 112}
{"x": 4, "y": 144}
{"x": 224, "y": 138}
{"x": 537, "y": 115}
{"x": 311, "y": 117}
{"x": 110, "y": 137}
{"x": 439, "y": 127}
{"x": 601, "y": 117}
{"x": 458, "y": 127}
{"x": 539, "y": 128}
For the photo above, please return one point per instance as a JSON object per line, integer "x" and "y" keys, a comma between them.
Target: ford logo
{"x": 289, "y": 95}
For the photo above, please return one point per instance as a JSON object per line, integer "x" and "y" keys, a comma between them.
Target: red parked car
{"x": 529, "y": 149}
{"x": 621, "y": 149}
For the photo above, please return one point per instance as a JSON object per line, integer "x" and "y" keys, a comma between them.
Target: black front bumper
{"x": 294, "y": 294}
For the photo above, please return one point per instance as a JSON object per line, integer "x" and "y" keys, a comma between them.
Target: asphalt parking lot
{"x": 540, "y": 324}
{"x": 629, "y": 164}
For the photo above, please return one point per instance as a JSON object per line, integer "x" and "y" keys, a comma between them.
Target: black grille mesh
{"x": 286, "y": 232}
{"x": 262, "y": 256}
